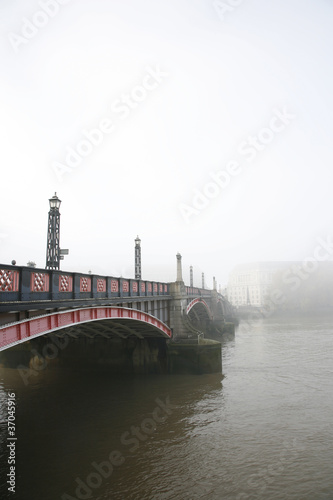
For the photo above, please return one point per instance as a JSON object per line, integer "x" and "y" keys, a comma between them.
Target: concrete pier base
{"x": 190, "y": 357}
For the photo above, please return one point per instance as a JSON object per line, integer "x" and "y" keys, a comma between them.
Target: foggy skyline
{"x": 204, "y": 131}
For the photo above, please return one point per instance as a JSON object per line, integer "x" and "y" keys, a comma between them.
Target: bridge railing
{"x": 31, "y": 284}
{"x": 195, "y": 292}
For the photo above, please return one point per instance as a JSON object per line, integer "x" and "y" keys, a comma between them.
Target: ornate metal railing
{"x": 31, "y": 284}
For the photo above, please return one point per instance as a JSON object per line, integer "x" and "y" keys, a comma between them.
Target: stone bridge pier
{"x": 178, "y": 304}
{"x": 196, "y": 313}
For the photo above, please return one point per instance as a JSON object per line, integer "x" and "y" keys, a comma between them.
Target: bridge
{"x": 35, "y": 302}
{"x": 45, "y": 304}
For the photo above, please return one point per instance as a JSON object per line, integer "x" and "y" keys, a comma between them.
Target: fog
{"x": 201, "y": 126}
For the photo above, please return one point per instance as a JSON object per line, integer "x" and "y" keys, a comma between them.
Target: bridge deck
{"x": 22, "y": 287}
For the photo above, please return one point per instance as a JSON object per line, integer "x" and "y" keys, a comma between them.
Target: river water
{"x": 263, "y": 431}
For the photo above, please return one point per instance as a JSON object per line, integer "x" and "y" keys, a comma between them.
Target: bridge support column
{"x": 178, "y": 304}
{"x": 178, "y": 309}
{"x": 215, "y": 307}
{"x": 217, "y": 311}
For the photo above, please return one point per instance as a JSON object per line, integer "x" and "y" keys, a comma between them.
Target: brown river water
{"x": 262, "y": 431}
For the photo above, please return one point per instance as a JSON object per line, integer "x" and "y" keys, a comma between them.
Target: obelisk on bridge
{"x": 214, "y": 283}
{"x": 179, "y": 267}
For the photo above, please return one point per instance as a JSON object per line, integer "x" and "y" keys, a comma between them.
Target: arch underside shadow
{"x": 199, "y": 314}
{"x": 107, "y": 322}
{"x": 198, "y": 310}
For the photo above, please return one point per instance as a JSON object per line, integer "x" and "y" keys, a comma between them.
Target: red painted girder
{"x": 196, "y": 301}
{"x": 34, "y": 327}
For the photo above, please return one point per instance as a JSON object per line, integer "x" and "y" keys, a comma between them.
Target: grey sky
{"x": 220, "y": 79}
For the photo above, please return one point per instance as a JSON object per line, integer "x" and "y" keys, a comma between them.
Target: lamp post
{"x": 137, "y": 258}
{"x": 53, "y": 234}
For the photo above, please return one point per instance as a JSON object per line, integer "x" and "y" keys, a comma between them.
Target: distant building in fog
{"x": 249, "y": 283}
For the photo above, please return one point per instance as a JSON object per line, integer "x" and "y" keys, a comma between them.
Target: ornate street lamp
{"x": 53, "y": 234}
{"x": 137, "y": 258}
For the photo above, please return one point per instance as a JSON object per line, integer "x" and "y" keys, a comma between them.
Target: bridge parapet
{"x": 31, "y": 284}
{"x": 197, "y": 292}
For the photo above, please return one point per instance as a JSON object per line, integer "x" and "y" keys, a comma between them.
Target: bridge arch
{"x": 107, "y": 321}
{"x": 198, "y": 310}
{"x": 200, "y": 302}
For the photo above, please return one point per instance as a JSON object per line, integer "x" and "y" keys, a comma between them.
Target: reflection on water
{"x": 263, "y": 431}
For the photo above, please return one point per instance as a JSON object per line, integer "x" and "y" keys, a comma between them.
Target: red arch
{"x": 200, "y": 301}
{"x": 16, "y": 333}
